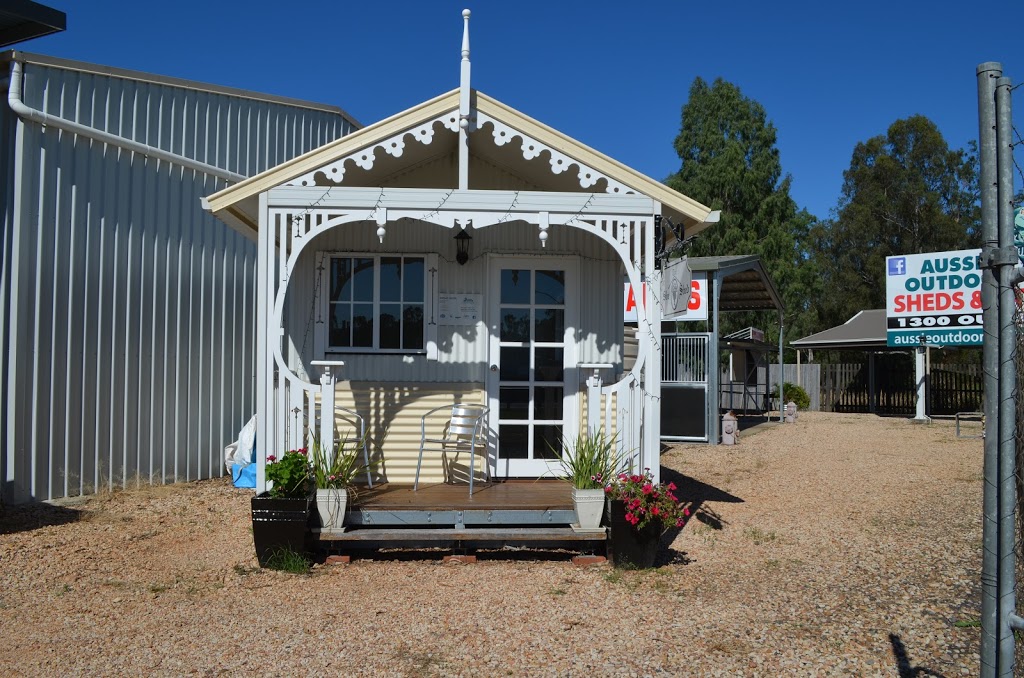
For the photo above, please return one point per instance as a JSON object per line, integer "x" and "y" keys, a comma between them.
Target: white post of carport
{"x": 714, "y": 369}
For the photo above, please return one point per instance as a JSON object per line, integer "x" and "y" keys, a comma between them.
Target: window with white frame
{"x": 377, "y": 302}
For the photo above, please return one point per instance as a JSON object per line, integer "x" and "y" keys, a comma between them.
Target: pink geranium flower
{"x": 647, "y": 502}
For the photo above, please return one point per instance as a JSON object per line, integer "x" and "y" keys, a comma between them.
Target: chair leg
{"x": 366, "y": 459}
{"x": 419, "y": 462}
{"x": 472, "y": 469}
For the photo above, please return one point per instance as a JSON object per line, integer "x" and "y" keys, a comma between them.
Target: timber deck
{"x": 499, "y": 514}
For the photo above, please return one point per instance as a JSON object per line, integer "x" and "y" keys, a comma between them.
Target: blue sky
{"x": 613, "y": 75}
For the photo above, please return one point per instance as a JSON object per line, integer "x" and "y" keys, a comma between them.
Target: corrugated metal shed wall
{"x": 128, "y": 342}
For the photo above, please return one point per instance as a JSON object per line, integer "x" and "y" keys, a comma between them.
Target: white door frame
{"x": 533, "y": 467}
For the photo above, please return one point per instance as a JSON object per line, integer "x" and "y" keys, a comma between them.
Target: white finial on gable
{"x": 464, "y": 106}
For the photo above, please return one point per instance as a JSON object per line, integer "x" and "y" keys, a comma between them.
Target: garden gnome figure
{"x": 730, "y": 429}
{"x": 790, "y": 412}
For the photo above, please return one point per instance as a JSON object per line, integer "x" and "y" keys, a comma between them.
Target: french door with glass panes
{"x": 532, "y": 379}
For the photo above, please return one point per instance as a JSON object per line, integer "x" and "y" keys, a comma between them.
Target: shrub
{"x": 797, "y": 394}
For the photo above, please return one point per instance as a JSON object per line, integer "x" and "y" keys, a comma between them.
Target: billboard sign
{"x": 934, "y": 296}
{"x": 696, "y": 307}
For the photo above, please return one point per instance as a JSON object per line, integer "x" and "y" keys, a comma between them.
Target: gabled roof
{"x": 746, "y": 286}
{"x": 866, "y": 330}
{"x": 239, "y": 203}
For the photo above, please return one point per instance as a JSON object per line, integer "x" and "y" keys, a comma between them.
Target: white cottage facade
{"x": 458, "y": 252}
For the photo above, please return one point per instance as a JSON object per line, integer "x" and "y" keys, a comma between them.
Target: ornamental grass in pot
{"x": 589, "y": 462}
{"x": 334, "y": 475}
{"x": 640, "y": 511}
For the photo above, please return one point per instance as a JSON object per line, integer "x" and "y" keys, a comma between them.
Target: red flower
{"x": 670, "y": 487}
{"x": 648, "y": 488}
{"x": 655, "y": 511}
{"x": 271, "y": 458}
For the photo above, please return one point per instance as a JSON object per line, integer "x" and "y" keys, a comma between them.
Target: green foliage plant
{"x": 797, "y": 394}
{"x": 291, "y": 474}
{"x": 339, "y": 470}
{"x": 285, "y": 559}
{"x": 590, "y": 460}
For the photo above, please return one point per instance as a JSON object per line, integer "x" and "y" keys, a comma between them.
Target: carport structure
{"x": 735, "y": 283}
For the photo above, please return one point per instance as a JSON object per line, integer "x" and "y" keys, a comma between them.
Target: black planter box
{"x": 628, "y": 546}
{"x": 280, "y": 524}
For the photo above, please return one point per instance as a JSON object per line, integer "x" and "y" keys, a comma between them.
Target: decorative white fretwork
{"x": 334, "y": 173}
{"x": 560, "y": 162}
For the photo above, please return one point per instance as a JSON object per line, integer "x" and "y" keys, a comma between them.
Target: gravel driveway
{"x": 841, "y": 545}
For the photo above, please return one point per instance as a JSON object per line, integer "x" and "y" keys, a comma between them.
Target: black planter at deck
{"x": 628, "y": 546}
{"x": 279, "y": 524}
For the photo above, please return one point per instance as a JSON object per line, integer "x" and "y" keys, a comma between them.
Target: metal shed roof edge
{"x": 84, "y": 67}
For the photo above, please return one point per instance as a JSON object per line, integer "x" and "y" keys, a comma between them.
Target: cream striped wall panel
{"x": 393, "y": 413}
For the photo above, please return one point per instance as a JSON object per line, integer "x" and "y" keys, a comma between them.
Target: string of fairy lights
{"x": 574, "y": 220}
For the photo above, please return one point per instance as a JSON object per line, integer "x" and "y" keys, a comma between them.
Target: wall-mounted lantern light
{"x": 462, "y": 243}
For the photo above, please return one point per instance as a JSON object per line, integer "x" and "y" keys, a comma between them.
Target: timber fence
{"x": 848, "y": 387}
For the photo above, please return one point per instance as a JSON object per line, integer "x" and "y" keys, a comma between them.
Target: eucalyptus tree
{"x": 730, "y": 162}
{"x": 905, "y": 192}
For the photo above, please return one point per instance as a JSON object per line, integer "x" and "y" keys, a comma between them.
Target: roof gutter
{"x": 45, "y": 119}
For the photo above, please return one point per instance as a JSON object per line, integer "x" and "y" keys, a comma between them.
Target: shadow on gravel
{"x": 899, "y": 652}
{"x": 27, "y": 517}
{"x": 698, "y": 494}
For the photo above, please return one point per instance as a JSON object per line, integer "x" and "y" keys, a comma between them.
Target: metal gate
{"x": 684, "y": 386}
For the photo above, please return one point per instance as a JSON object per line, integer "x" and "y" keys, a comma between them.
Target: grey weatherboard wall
{"x": 127, "y": 315}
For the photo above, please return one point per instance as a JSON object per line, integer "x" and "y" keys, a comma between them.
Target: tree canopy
{"x": 905, "y": 192}
{"x": 729, "y": 162}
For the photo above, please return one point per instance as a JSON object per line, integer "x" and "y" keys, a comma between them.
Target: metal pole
{"x": 782, "y": 371}
{"x": 987, "y": 74}
{"x": 714, "y": 373}
{"x": 1006, "y": 588}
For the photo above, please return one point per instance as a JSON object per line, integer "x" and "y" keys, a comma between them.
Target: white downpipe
{"x": 37, "y": 116}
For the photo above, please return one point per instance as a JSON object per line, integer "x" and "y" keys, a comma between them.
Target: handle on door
{"x": 494, "y": 368}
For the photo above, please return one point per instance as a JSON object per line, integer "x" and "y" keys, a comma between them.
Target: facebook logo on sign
{"x": 897, "y": 265}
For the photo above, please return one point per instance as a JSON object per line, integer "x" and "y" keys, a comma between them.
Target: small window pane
{"x": 412, "y": 279}
{"x": 547, "y": 403}
{"x": 550, "y": 325}
{"x": 515, "y": 286}
{"x": 390, "y": 326}
{"x": 341, "y": 325}
{"x": 550, "y": 287}
{"x": 341, "y": 276}
{"x": 549, "y": 364}
{"x": 513, "y": 441}
{"x": 515, "y": 324}
{"x": 390, "y": 279}
{"x": 362, "y": 324}
{"x": 363, "y": 280}
{"x": 514, "y": 402}
{"x": 515, "y": 364}
{"x": 412, "y": 326}
{"x": 547, "y": 442}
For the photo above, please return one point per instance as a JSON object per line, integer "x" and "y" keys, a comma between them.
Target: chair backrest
{"x": 466, "y": 422}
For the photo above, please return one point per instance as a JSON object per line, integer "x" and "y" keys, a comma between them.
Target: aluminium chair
{"x": 353, "y": 418}
{"x": 465, "y": 432}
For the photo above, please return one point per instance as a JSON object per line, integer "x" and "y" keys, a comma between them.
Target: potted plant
{"x": 589, "y": 462}
{"x": 281, "y": 514}
{"x": 640, "y": 511}
{"x": 334, "y": 475}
